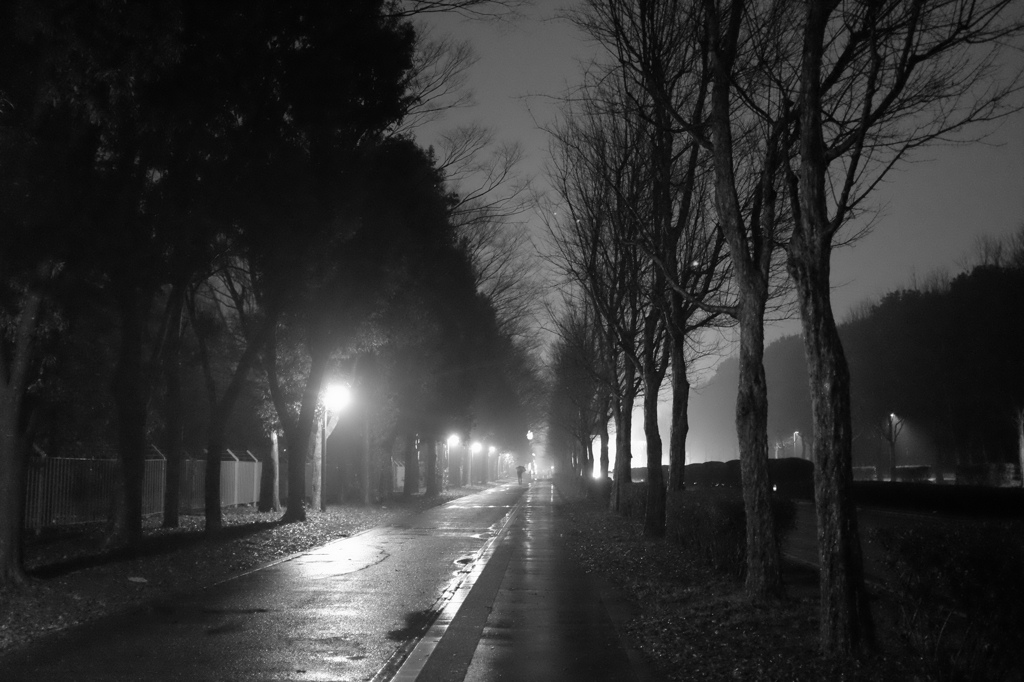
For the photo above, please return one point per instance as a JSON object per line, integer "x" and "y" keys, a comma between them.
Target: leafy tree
{"x": 65, "y": 113}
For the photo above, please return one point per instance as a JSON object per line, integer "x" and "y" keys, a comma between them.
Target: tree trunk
{"x": 845, "y": 620}
{"x": 751, "y": 254}
{"x": 680, "y": 426}
{"x": 367, "y": 461}
{"x": 602, "y": 430}
{"x": 275, "y": 457}
{"x": 12, "y": 490}
{"x": 454, "y": 476}
{"x": 654, "y": 519}
{"x": 1020, "y": 444}
{"x": 211, "y": 494}
{"x": 431, "y": 474}
{"x": 412, "y": 466}
{"x": 270, "y": 483}
{"x": 219, "y": 417}
{"x": 316, "y": 500}
{"x": 764, "y": 573}
{"x": 298, "y": 439}
{"x": 14, "y": 375}
{"x": 131, "y": 398}
{"x": 175, "y": 421}
{"x": 623, "y": 442}
{"x": 677, "y": 441}
{"x": 892, "y": 459}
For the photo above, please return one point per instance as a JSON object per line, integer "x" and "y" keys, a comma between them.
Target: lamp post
{"x": 895, "y": 425}
{"x": 335, "y": 398}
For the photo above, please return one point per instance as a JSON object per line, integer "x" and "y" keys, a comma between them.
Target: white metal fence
{"x": 63, "y": 491}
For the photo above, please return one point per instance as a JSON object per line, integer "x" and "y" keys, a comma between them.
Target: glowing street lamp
{"x": 335, "y": 398}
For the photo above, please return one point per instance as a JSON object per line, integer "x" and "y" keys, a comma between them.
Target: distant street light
{"x": 335, "y": 398}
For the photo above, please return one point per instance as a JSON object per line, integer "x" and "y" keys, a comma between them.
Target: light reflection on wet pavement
{"x": 477, "y": 589}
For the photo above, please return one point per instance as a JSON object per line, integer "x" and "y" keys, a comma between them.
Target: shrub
{"x": 960, "y": 597}
{"x": 571, "y": 486}
{"x": 599, "y": 490}
{"x": 575, "y": 488}
{"x": 712, "y": 524}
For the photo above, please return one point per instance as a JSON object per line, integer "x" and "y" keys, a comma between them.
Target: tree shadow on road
{"x": 416, "y": 624}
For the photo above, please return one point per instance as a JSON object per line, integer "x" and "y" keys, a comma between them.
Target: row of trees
{"x": 213, "y": 203}
{"x": 707, "y": 166}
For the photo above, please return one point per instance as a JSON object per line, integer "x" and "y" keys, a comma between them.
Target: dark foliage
{"x": 960, "y": 597}
{"x": 712, "y": 524}
{"x": 946, "y": 359}
{"x": 694, "y": 624}
{"x": 961, "y": 500}
{"x": 791, "y": 477}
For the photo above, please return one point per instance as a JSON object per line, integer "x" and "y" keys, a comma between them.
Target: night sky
{"x": 932, "y": 209}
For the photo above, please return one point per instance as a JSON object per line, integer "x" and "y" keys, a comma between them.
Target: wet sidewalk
{"x": 528, "y": 613}
{"x": 511, "y": 604}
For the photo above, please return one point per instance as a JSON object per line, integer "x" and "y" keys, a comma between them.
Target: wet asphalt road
{"x": 505, "y": 599}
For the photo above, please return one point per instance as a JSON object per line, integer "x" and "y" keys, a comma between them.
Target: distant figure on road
{"x": 519, "y": 472}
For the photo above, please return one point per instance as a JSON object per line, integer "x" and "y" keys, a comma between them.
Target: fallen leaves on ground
{"x": 697, "y": 626}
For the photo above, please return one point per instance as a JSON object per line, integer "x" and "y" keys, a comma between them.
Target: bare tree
{"x": 875, "y": 81}
{"x": 890, "y": 431}
{"x": 579, "y": 380}
{"x": 437, "y": 80}
{"x": 650, "y": 43}
{"x": 18, "y": 333}
{"x": 601, "y": 172}
{"x": 226, "y": 300}
{"x": 685, "y": 60}
{"x": 747, "y": 126}
{"x": 472, "y": 9}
